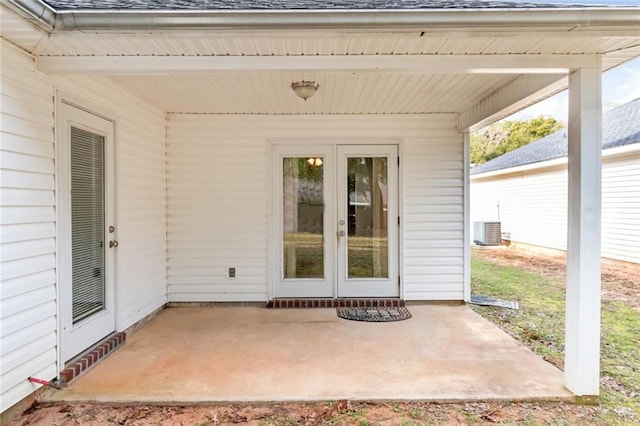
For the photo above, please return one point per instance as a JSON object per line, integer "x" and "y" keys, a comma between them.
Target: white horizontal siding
{"x": 28, "y": 305}
{"x": 27, "y": 227}
{"x": 621, "y": 208}
{"x": 140, "y": 192}
{"x": 433, "y": 230}
{"x": 533, "y": 206}
{"x": 217, "y": 213}
{"x": 219, "y": 206}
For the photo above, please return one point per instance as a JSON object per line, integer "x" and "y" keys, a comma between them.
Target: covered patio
{"x": 199, "y": 183}
{"x": 239, "y": 354}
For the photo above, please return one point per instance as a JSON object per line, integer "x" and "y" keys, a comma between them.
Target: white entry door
{"x": 336, "y": 221}
{"x": 85, "y": 156}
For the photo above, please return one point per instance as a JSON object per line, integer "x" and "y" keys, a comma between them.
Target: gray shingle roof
{"x": 620, "y": 126}
{"x": 59, "y": 5}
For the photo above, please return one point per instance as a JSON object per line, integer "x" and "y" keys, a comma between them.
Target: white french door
{"x": 85, "y": 178}
{"x": 336, "y": 221}
{"x": 367, "y": 233}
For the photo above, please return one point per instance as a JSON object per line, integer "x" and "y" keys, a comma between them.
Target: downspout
{"x": 36, "y": 12}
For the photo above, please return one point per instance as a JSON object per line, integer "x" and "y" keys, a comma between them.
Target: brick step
{"x": 335, "y": 303}
{"x": 74, "y": 368}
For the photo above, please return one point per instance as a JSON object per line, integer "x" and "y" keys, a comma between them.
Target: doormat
{"x": 374, "y": 314}
{"x": 492, "y": 301}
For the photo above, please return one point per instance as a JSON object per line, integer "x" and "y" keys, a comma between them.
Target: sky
{"x": 619, "y": 86}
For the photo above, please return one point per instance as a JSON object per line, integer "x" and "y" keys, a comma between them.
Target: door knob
{"x": 341, "y": 233}
{"x": 113, "y": 244}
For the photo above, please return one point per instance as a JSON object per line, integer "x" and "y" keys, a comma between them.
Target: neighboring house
{"x": 526, "y": 189}
{"x": 157, "y": 153}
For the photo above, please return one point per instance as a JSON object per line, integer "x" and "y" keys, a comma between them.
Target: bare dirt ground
{"x": 335, "y": 413}
{"x": 621, "y": 282}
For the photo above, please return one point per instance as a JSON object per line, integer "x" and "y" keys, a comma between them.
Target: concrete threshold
{"x": 197, "y": 355}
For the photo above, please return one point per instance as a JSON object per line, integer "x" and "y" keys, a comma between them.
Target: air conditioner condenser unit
{"x": 487, "y": 233}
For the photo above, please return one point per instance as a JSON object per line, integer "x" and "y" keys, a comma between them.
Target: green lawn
{"x": 367, "y": 256}
{"x": 539, "y": 323}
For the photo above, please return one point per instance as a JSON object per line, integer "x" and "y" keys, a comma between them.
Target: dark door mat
{"x": 492, "y": 301}
{"x": 374, "y": 314}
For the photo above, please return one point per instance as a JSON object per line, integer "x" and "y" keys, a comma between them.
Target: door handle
{"x": 341, "y": 233}
{"x": 113, "y": 244}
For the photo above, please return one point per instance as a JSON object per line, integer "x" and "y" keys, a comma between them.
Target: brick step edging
{"x": 79, "y": 365}
{"x": 334, "y": 303}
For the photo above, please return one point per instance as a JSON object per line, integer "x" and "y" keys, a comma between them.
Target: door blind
{"x": 87, "y": 223}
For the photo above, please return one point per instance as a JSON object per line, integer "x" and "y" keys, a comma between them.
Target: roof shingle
{"x": 60, "y": 5}
{"x": 620, "y": 126}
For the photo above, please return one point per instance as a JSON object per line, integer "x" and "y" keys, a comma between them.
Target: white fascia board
{"x": 606, "y": 154}
{"x": 521, "y": 169}
{"x": 621, "y": 150}
{"x": 37, "y": 12}
{"x": 427, "y": 64}
{"x": 518, "y": 94}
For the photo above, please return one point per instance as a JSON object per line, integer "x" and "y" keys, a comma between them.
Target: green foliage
{"x": 505, "y": 136}
{"x": 300, "y": 168}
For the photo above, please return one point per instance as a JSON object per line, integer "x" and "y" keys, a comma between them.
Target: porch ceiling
{"x": 342, "y": 91}
{"x": 339, "y": 93}
{"x": 310, "y": 44}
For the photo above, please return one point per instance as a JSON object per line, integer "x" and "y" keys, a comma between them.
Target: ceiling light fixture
{"x": 315, "y": 161}
{"x": 305, "y": 89}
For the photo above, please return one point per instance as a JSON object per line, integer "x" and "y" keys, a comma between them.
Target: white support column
{"x": 582, "y": 333}
{"x": 467, "y": 217}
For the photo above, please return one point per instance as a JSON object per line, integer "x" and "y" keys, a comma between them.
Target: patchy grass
{"x": 539, "y": 324}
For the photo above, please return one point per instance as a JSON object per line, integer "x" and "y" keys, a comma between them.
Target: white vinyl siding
{"x": 621, "y": 208}
{"x": 27, "y": 228}
{"x": 219, "y": 203}
{"x": 433, "y": 213}
{"x": 530, "y": 206}
{"x": 533, "y": 205}
{"x": 28, "y": 306}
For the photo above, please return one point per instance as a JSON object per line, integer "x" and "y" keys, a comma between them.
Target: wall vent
{"x": 486, "y": 233}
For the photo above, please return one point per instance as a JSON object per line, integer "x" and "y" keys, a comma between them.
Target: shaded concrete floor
{"x": 204, "y": 354}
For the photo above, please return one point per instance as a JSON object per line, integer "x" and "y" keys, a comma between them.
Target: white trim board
{"x": 429, "y": 64}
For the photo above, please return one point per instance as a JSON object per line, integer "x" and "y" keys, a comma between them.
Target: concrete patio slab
{"x": 210, "y": 354}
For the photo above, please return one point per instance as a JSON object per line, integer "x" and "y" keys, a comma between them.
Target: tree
{"x": 505, "y": 136}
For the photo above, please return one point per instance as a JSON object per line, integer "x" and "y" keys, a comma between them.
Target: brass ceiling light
{"x": 305, "y": 89}
{"x": 315, "y": 161}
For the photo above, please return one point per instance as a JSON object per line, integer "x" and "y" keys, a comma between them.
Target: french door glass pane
{"x": 87, "y": 223}
{"x": 303, "y": 215}
{"x": 367, "y": 241}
